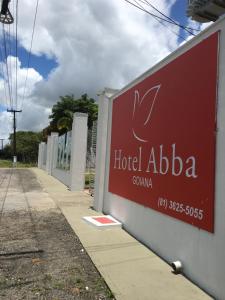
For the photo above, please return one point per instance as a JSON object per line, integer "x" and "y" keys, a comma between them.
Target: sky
{"x": 80, "y": 47}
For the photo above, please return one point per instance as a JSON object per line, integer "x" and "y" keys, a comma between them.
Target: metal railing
{"x": 91, "y": 158}
{"x": 64, "y": 151}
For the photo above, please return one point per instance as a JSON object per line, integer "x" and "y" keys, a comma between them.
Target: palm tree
{"x": 66, "y": 121}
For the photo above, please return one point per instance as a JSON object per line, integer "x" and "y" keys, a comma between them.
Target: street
{"x": 41, "y": 257}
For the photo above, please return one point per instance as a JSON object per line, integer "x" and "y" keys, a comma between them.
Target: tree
{"x": 26, "y": 145}
{"x": 6, "y": 153}
{"x": 61, "y": 118}
{"x": 66, "y": 121}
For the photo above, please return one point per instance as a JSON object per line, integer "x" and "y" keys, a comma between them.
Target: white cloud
{"x": 33, "y": 116}
{"x": 6, "y": 125}
{"x": 96, "y": 43}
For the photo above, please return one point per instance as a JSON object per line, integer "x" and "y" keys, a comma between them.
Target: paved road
{"x": 19, "y": 190}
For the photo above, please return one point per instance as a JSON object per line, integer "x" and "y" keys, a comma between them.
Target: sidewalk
{"x": 130, "y": 269}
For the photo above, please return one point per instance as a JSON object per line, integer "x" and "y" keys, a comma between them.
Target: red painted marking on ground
{"x": 103, "y": 220}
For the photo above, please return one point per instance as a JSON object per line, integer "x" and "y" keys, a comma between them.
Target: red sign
{"x": 163, "y": 138}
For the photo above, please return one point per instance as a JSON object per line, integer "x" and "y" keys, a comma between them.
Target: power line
{"x": 171, "y": 30}
{"x": 13, "y": 61}
{"x": 6, "y": 19}
{"x": 9, "y": 56}
{"x": 145, "y": 10}
{"x": 159, "y": 19}
{"x": 16, "y": 96}
{"x": 9, "y": 63}
{"x": 3, "y": 68}
{"x": 29, "y": 55}
{"x": 6, "y": 64}
{"x": 140, "y": 7}
{"x": 169, "y": 18}
{"x": 3, "y": 76}
{"x": 163, "y": 24}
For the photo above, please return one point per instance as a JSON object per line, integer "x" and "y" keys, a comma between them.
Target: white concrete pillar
{"x": 102, "y": 133}
{"x": 41, "y": 155}
{"x": 51, "y": 150}
{"x": 44, "y": 147}
{"x": 55, "y": 138}
{"x": 48, "y": 154}
{"x": 78, "y": 152}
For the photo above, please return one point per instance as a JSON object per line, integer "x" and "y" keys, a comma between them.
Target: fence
{"x": 64, "y": 151}
{"x": 64, "y": 157}
{"x": 91, "y": 158}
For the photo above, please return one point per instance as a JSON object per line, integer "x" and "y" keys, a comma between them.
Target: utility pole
{"x": 14, "y": 133}
{"x": 2, "y": 142}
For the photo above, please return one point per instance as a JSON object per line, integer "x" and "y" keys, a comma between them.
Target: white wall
{"x": 202, "y": 253}
{"x": 62, "y": 175}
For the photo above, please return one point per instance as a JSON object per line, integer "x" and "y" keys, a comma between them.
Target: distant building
{"x": 205, "y": 10}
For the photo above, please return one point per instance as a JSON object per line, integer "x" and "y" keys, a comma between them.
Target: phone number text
{"x": 181, "y": 208}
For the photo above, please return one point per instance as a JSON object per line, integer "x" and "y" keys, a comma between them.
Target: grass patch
{"x": 89, "y": 179}
{"x": 8, "y": 164}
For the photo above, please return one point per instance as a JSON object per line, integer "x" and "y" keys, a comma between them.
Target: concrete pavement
{"x": 131, "y": 270}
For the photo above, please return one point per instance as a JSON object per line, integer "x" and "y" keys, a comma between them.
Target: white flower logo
{"x": 148, "y": 100}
